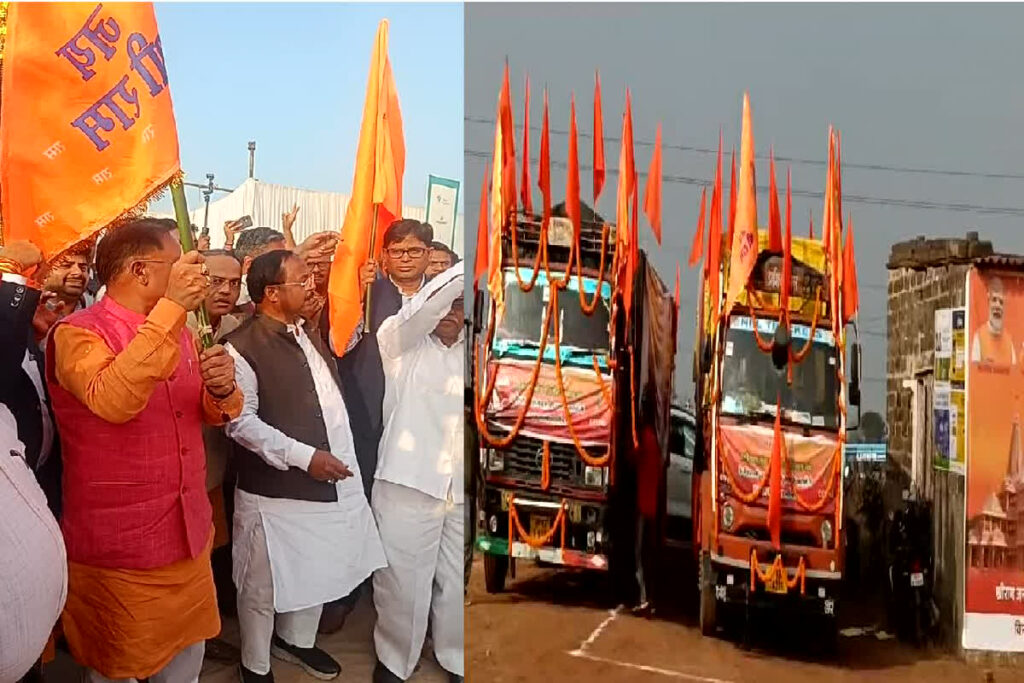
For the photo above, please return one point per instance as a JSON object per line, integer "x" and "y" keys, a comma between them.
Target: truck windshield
{"x": 751, "y": 384}
{"x": 524, "y": 314}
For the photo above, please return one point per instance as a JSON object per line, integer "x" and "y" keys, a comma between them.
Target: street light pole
{"x": 252, "y": 157}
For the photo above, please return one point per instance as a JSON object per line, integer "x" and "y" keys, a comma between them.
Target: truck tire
{"x": 708, "y": 605}
{"x": 495, "y": 571}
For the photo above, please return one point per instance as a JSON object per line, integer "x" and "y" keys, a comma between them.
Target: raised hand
{"x": 188, "y": 281}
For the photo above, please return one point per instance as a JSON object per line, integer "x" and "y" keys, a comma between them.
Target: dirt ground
{"x": 352, "y": 647}
{"x": 553, "y": 622}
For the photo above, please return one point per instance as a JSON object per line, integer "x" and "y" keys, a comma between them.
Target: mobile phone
{"x": 205, "y": 232}
{"x": 243, "y": 223}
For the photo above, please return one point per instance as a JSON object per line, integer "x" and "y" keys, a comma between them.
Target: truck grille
{"x": 524, "y": 462}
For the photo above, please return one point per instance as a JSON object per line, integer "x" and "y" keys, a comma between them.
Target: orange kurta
{"x": 130, "y": 623}
{"x": 993, "y": 348}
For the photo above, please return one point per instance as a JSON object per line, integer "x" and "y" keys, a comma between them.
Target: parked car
{"x": 679, "y": 528}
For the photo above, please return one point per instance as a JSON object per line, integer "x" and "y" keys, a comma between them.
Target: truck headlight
{"x": 728, "y": 516}
{"x": 595, "y": 476}
{"x": 826, "y": 532}
{"x": 496, "y": 461}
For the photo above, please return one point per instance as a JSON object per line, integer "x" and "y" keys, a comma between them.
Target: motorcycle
{"x": 911, "y": 608}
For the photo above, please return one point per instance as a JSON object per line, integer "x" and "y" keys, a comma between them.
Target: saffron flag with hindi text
{"x": 87, "y": 132}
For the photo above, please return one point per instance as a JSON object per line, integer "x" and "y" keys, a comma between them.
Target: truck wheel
{"x": 495, "y": 571}
{"x": 708, "y": 606}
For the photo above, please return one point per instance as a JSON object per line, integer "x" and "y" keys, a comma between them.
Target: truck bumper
{"x": 732, "y": 588}
{"x": 558, "y": 556}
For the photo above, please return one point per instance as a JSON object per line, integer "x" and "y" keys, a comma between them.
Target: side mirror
{"x": 855, "y": 365}
{"x": 478, "y": 312}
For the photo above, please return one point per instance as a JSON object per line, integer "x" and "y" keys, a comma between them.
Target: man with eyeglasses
{"x": 303, "y": 531}
{"x": 225, "y": 274}
{"x": 130, "y": 393}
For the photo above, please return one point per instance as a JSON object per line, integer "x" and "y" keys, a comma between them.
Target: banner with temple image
{"x": 87, "y": 131}
{"x": 994, "y": 590}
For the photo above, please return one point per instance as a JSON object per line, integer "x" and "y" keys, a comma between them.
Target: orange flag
{"x": 697, "y": 248}
{"x": 787, "y": 256}
{"x": 572, "y": 177}
{"x": 851, "y": 297}
{"x": 632, "y": 255}
{"x": 481, "y": 235}
{"x": 713, "y": 265}
{"x": 627, "y": 173}
{"x": 743, "y": 252}
{"x": 774, "y": 215}
{"x": 826, "y": 213}
{"x": 677, "y": 289}
{"x": 652, "y": 193}
{"x": 525, "y": 189}
{"x": 508, "y": 152}
{"x": 599, "y": 170}
{"x": 376, "y": 199}
{"x": 810, "y": 230}
{"x": 775, "y": 481}
{"x": 87, "y": 132}
{"x": 544, "y": 174}
{"x": 732, "y": 200}
{"x": 498, "y": 208}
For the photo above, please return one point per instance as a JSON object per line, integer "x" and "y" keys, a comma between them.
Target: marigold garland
{"x": 515, "y": 526}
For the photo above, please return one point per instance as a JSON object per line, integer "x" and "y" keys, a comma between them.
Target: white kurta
{"x": 422, "y": 446}
{"x": 318, "y": 551}
{"x": 418, "y": 492}
{"x": 33, "y": 562}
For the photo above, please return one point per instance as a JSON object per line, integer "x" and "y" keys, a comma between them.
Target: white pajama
{"x": 254, "y": 578}
{"x": 423, "y": 541}
{"x": 184, "y": 668}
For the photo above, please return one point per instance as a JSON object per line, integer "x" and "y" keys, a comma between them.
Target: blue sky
{"x": 292, "y": 77}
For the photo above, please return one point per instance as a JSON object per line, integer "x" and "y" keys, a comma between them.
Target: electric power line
{"x": 959, "y": 207}
{"x": 793, "y": 160}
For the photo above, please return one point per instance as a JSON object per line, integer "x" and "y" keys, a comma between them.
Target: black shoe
{"x": 382, "y": 674}
{"x": 315, "y": 661}
{"x": 247, "y": 676}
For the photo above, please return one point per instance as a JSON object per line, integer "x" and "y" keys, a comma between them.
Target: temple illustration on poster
{"x": 996, "y": 536}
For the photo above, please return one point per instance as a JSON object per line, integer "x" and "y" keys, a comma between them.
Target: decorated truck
{"x": 772, "y": 397}
{"x": 573, "y": 406}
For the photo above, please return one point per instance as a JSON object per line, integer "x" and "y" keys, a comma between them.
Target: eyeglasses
{"x": 218, "y": 282}
{"x": 412, "y": 252}
{"x": 308, "y": 282}
{"x": 320, "y": 267}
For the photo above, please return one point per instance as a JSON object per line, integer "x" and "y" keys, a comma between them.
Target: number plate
{"x": 917, "y": 579}
{"x": 539, "y": 525}
{"x": 777, "y": 583}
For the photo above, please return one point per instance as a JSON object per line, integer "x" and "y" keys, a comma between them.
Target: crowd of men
{"x": 152, "y": 485}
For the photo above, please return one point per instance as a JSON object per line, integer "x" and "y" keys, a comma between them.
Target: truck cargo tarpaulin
{"x": 591, "y": 414}
{"x": 746, "y": 451}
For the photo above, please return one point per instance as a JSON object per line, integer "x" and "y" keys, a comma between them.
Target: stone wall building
{"x": 925, "y": 275}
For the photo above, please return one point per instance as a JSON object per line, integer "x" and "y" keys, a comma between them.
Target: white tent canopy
{"x": 318, "y": 212}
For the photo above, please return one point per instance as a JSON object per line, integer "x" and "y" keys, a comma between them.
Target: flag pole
{"x": 185, "y": 236}
{"x": 369, "y": 288}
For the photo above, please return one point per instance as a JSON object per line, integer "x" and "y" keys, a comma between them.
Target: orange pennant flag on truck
{"x": 544, "y": 172}
{"x": 743, "y": 251}
{"x": 652, "y": 193}
{"x": 87, "y": 131}
{"x": 376, "y": 200}
{"x": 482, "y": 231}
{"x": 572, "y": 179}
{"x": 774, "y": 215}
{"x": 851, "y": 297}
{"x": 697, "y": 247}
{"x": 599, "y": 168}
{"x": 732, "y": 199}
{"x": 525, "y": 190}
{"x": 627, "y": 176}
{"x": 714, "y": 262}
{"x": 508, "y": 152}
